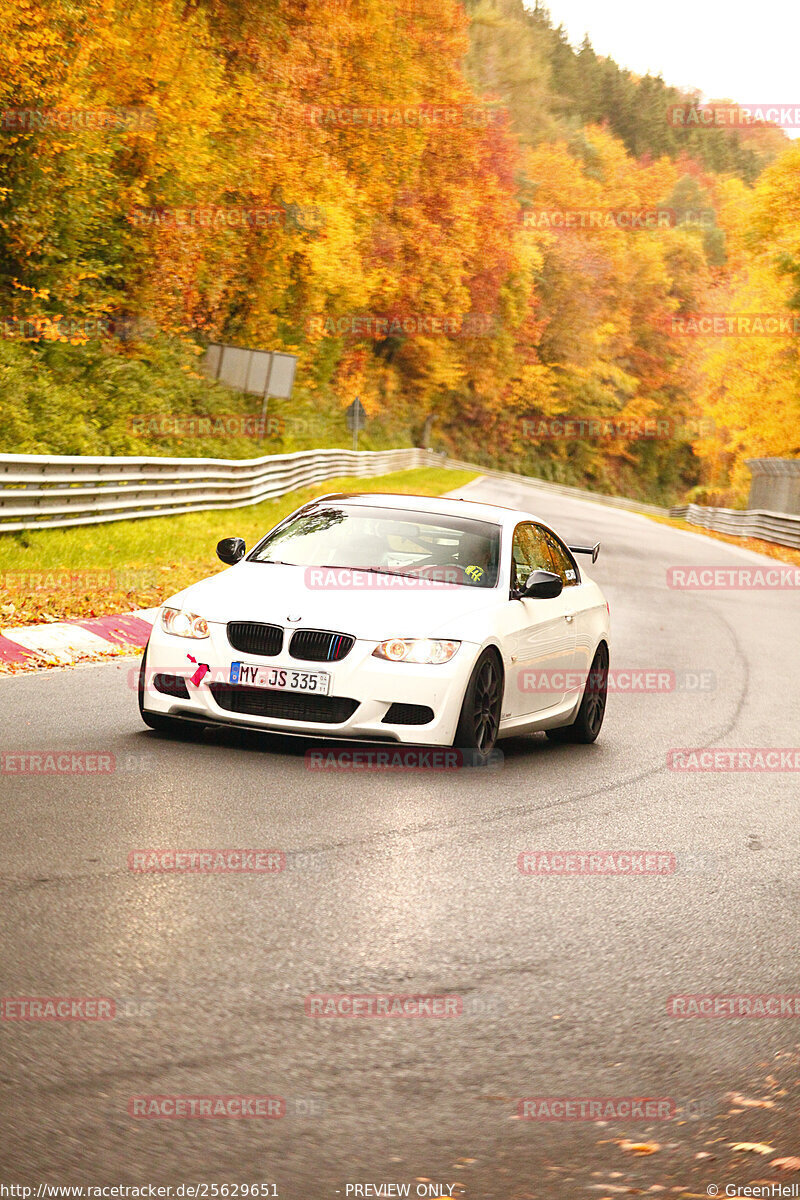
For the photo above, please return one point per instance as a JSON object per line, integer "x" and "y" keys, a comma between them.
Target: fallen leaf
{"x": 752, "y": 1147}
{"x": 745, "y": 1102}
{"x": 638, "y": 1147}
{"x": 618, "y": 1191}
{"x": 786, "y": 1164}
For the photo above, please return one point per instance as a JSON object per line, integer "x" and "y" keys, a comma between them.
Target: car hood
{"x": 272, "y": 593}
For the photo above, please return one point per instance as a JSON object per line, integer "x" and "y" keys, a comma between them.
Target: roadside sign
{"x": 281, "y": 376}
{"x": 355, "y": 416}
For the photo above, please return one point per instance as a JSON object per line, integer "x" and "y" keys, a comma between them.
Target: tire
{"x": 159, "y": 722}
{"x": 587, "y": 724}
{"x": 480, "y": 711}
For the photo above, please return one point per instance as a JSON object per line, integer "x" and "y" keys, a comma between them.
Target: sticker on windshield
{"x": 570, "y": 574}
{"x": 475, "y": 573}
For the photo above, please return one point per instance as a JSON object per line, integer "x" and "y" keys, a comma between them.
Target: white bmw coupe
{"x": 433, "y": 621}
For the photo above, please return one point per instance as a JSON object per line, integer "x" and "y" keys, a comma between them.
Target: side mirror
{"x": 231, "y": 550}
{"x": 541, "y": 585}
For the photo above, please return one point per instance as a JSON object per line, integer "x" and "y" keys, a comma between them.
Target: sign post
{"x": 356, "y": 419}
{"x": 262, "y": 373}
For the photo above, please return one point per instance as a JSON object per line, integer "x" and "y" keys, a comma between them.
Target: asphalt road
{"x": 409, "y": 884}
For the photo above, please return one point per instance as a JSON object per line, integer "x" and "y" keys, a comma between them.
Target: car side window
{"x": 529, "y": 552}
{"x": 563, "y": 564}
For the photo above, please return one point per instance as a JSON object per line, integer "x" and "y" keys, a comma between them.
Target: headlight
{"x": 420, "y": 650}
{"x": 183, "y": 624}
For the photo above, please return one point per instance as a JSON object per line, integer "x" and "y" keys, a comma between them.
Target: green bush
{"x": 57, "y": 398}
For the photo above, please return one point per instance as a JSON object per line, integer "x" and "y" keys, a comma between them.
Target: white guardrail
{"x": 781, "y": 528}
{"x": 41, "y": 491}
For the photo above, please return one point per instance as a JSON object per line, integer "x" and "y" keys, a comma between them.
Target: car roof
{"x": 477, "y": 510}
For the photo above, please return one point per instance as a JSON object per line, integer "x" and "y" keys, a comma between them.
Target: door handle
{"x": 569, "y": 616}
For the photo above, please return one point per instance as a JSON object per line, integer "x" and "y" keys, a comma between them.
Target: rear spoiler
{"x": 593, "y": 550}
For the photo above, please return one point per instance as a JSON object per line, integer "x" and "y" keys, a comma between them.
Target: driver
{"x": 473, "y": 557}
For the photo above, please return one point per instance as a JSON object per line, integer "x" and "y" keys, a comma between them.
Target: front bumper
{"x": 372, "y": 683}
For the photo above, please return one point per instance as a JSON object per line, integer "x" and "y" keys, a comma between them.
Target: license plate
{"x": 281, "y": 679}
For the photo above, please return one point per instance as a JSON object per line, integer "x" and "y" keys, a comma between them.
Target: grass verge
{"x": 55, "y": 574}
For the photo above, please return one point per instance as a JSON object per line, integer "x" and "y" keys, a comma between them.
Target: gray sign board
{"x": 259, "y": 372}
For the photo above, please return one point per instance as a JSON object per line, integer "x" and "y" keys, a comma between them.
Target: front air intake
{"x": 408, "y": 714}
{"x": 285, "y": 706}
{"x": 171, "y": 685}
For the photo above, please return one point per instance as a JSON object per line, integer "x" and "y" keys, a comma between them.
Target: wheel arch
{"x": 494, "y": 647}
{"x": 498, "y": 653}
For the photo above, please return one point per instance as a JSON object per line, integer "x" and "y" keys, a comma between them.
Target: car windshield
{"x": 444, "y": 549}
